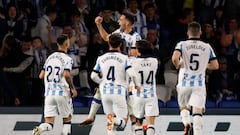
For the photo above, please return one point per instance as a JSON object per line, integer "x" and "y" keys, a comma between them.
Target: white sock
{"x": 197, "y": 124}
{"x": 150, "y": 130}
{"x": 45, "y": 127}
{"x": 119, "y": 122}
{"x": 96, "y": 103}
{"x": 185, "y": 115}
{"x": 139, "y": 130}
{"x": 66, "y": 128}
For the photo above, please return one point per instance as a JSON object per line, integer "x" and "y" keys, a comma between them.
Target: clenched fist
{"x": 98, "y": 20}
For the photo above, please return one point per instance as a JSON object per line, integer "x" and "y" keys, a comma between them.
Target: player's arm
{"x": 131, "y": 73}
{"x": 213, "y": 64}
{"x": 176, "y": 59}
{"x": 95, "y": 76}
{"x": 41, "y": 75}
{"x": 68, "y": 78}
{"x": 103, "y": 33}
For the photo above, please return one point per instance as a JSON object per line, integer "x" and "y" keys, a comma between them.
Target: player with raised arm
{"x": 114, "y": 69}
{"x": 59, "y": 88}
{"x": 129, "y": 37}
{"x": 192, "y": 57}
{"x": 145, "y": 101}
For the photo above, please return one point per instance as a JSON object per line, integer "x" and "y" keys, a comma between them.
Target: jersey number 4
{"x": 111, "y": 73}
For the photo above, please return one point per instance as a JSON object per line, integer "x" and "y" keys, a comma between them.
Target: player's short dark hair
{"x": 50, "y": 10}
{"x": 129, "y": 17}
{"x": 115, "y": 40}
{"x": 194, "y": 28}
{"x": 61, "y": 39}
{"x": 144, "y": 47}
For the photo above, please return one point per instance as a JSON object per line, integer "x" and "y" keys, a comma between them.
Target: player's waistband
{"x": 55, "y": 93}
{"x": 117, "y": 89}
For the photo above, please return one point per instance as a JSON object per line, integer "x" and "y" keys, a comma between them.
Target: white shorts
{"x": 58, "y": 105}
{"x": 115, "y": 104}
{"x": 145, "y": 107}
{"x": 191, "y": 96}
{"x": 130, "y": 100}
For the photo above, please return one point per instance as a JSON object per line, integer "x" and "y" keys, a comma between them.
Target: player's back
{"x": 195, "y": 57}
{"x": 113, "y": 66}
{"x": 146, "y": 68}
{"x": 55, "y": 83}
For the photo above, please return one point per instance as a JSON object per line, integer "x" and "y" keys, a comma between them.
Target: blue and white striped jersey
{"x": 195, "y": 56}
{"x": 113, "y": 67}
{"x": 146, "y": 69}
{"x": 55, "y": 83}
{"x": 130, "y": 39}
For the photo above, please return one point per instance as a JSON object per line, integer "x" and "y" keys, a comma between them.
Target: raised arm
{"x": 103, "y": 33}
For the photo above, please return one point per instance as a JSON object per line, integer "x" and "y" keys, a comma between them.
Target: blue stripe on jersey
{"x": 60, "y": 92}
{"x": 54, "y": 86}
{"x": 192, "y": 80}
{"x": 47, "y": 93}
{"x": 119, "y": 89}
{"x": 111, "y": 88}
{"x": 98, "y": 68}
{"x": 200, "y": 81}
{"x": 211, "y": 55}
{"x": 53, "y": 92}
{"x": 144, "y": 93}
{"x": 152, "y": 92}
{"x": 138, "y": 94}
{"x": 184, "y": 82}
{"x": 104, "y": 89}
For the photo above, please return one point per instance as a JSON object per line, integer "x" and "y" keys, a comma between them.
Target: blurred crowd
{"x": 28, "y": 31}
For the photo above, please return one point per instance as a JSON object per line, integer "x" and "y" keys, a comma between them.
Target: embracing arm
{"x": 68, "y": 78}
{"x": 213, "y": 65}
{"x": 176, "y": 59}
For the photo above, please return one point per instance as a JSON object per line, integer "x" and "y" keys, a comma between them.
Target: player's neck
{"x": 193, "y": 37}
{"x": 128, "y": 29}
{"x": 114, "y": 49}
{"x": 62, "y": 49}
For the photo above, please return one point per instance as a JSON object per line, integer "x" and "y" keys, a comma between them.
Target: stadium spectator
{"x": 139, "y": 17}
{"x": 44, "y": 27}
{"x": 221, "y": 85}
{"x": 11, "y": 25}
{"x": 16, "y": 65}
{"x": 40, "y": 53}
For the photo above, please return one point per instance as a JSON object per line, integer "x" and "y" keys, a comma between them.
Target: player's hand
{"x": 138, "y": 89}
{"x": 98, "y": 20}
{"x": 17, "y": 101}
{"x": 74, "y": 93}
